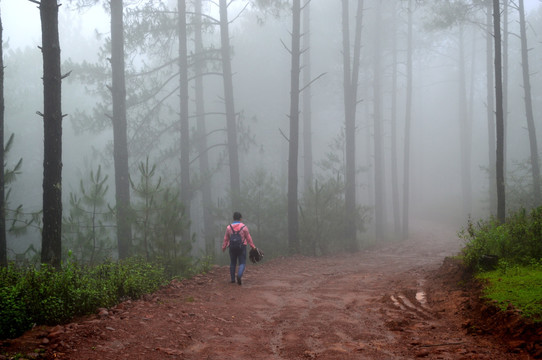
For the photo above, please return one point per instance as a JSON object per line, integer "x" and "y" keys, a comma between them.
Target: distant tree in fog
{"x": 505, "y": 73}
{"x": 501, "y": 204}
{"x": 379, "y": 174}
{"x": 408, "y": 120}
{"x": 350, "y": 85}
{"x": 307, "y": 94}
{"x": 393, "y": 123}
{"x": 490, "y": 110}
{"x": 3, "y": 240}
{"x": 201, "y": 129}
{"x": 186, "y": 194}
{"x": 535, "y": 168}
{"x": 51, "y": 244}
{"x": 120, "y": 140}
{"x": 231, "y": 117}
{"x": 293, "y": 140}
{"x": 465, "y": 128}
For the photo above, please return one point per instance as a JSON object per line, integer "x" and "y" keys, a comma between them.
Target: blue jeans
{"x": 241, "y": 255}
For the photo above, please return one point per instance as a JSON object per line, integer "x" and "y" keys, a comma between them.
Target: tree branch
{"x": 66, "y": 75}
{"x": 207, "y": 150}
{"x": 306, "y": 4}
{"x": 310, "y": 83}
{"x": 239, "y": 14}
{"x": 286, "y": 47}
{"x": 284, "y": 136}
{"x": 212, "y": 19}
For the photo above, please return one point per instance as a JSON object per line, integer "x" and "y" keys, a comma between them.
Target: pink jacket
{"x": 247, "y": 239}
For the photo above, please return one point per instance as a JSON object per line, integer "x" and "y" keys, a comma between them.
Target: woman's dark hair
{"x": 237, "y": 216}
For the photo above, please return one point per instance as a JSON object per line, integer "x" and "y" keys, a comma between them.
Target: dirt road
{"x": 377, "y": 304}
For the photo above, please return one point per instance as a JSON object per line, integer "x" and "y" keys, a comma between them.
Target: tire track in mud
{"x": 297, "y": 323}
{"x": 328, "y": 313}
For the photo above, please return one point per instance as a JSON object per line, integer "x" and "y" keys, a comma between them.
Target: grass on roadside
{"x": 516, "y": 285}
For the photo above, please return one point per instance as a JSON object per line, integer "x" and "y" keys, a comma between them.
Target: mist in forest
{"x": 449, "y": 115}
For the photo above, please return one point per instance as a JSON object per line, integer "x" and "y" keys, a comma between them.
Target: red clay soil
{"x": 402, "y": 301}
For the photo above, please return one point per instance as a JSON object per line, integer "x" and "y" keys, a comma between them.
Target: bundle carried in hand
{"x": 255, "y": 255}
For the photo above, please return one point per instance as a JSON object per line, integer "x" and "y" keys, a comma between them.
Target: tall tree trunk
{"x": 393, "y": 120}
{"x": 3, "y": 240}
{"x": 471, "y": 101}
{"x": 293, "y": 216}
{"x": 491, "y": 111}
{"x": 350, "y": 123}
{"x": 378, "y": 139}
{"x": 201, "y": 141}
{"x": 529, "y": 107}
{"x": 51, "y": 243}
{"x": 233, "y": 154}
{"x": 120, "y": 140}
{"x": 408, "y": 120}
{"x": 351, "y": 75}
{"x": 307, "y": 95}
{"x": 472, "y": 85}
{"x": 185, "y": 127}
{"x": 501, "y": 205}
{"x": 505, "y": 37}
{"x": 465, "y": 128}
{"x": 351, "y": 138}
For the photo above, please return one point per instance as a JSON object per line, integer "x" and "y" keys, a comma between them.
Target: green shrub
{"x": 137, "y": 277}
{"x": 46, "y": 296}
{"x": 516, "y": 241}
{"x": 13, "y": 318}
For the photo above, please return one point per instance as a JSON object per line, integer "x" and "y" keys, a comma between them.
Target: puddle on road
{"x": 421, "y": 297}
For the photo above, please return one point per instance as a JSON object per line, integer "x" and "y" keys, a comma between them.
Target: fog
{"x": 261, "y": 66}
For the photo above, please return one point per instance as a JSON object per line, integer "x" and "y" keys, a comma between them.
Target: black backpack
{"x": 236, "y": 240}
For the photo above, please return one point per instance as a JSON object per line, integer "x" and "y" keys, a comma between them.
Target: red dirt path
{"x": 397, "y": 302}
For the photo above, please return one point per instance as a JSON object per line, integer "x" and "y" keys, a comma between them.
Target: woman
{"x": 237, "y": 253}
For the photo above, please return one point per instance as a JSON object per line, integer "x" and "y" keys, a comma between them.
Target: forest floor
{"x": 404, "y": 300}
